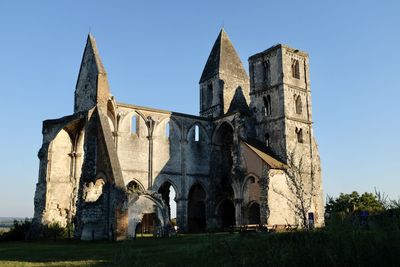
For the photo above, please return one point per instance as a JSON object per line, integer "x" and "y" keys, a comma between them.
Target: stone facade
{"x": 109, "y": 167}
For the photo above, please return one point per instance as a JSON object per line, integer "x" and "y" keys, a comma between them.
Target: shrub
{"x": 18, "y": 232}
{"x": 23, "y": 230}
{"x": 54, "y": 231}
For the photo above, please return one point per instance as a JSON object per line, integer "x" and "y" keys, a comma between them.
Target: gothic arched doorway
{"x": 254, "y": 213}
{"x": 226, "y": 213}
{"x": 223, "y": 155}
{"x": 197, "y": 209}
{"x": 222, "y": 175}
{"x": 168, "y": 194}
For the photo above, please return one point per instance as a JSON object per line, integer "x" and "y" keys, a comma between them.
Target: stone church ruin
{"x": 108, "y": 168}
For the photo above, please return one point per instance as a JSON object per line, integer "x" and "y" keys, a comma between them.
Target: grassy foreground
{"x": 318, "y": 248}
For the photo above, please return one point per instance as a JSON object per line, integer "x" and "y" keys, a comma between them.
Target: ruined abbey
{"x": 108, "y": 168}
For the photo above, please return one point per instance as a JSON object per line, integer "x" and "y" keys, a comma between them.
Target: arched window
{"x": 196, "y": 133}
{"x": 299, "y": 134}
{"x": 267, "y": 141}
{"x": 265, "y": 71}
{"x": 133, "y": 125}
{"x": 298, "y": 104}
{"x": 167, "y": 130}
{"x": 295, "y": 69}
{"x": 267, "y": 105}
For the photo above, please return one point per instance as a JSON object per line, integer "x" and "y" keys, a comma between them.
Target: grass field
{"x": 320, "y": 248}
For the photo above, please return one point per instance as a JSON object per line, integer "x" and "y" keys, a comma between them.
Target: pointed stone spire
{"x": 221, "y": 77}
{"x": 92, "y": 86}
{"x": 223, "y": 59}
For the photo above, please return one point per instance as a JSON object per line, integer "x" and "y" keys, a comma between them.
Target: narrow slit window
{"x": 167, "y": 130}
{"x": 295, "y": 69}
{"x": 265, "y": 72}
{"x": 209, "y": 94}
{"x": 133, "y": 124}
{"x": 299, "y": 134}
{"x": 196, "y": 133}
{"x": 267, "y": 141}
{"x": 267, "y": 105}
{"x": 298, "y": 104}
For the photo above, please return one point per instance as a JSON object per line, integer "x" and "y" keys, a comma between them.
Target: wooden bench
{"x": 248, "y": 228}
{"x": 283, "y": 227}
{"x": 268, "y": 227}
{"x": 292, "y": 227}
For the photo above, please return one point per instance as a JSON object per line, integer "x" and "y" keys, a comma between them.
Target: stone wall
{"x": 59, "y": 170}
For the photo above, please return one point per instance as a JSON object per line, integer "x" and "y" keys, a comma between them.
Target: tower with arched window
{"x": 283, "y": 105}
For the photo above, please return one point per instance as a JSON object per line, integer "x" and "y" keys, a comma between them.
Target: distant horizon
{"x": 2, "y": 219}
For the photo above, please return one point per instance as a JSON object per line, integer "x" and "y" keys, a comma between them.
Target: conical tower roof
{"x": 92, "y": 84}
{"x": 92, "y": 53}
{"x": 223, "y": 59}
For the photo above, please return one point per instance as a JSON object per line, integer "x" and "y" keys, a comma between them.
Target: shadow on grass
{"x": 66, "y": 253}
{"x": 336, "y": 247}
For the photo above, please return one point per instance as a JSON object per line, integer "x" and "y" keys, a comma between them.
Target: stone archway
{"x": 254, "y": 213}
{"x": 226, "y": 213}
{"x": 223, "y": 155}
{"x": 197, "y": 209}
{"x": 223, "y": 161}
{"x": 148, "y": 210}
{"x": 168, "y": 194}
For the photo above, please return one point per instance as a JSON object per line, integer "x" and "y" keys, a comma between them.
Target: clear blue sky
{"x": 154, "y": 52}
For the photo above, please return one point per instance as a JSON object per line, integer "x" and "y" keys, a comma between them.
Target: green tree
{"x": 354, "y": 203}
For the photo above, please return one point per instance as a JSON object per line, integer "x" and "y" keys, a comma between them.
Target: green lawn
{"x": 320, "y": 248}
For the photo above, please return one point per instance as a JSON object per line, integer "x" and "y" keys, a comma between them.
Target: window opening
{"x": 196, "y": 133}
{"x": 134, "y": 126}
{"x": 265, "y": 73}
{"x": 167, "y": 130}
{"x": 209, "y": 94}
{"x": 298, "y": 104}
{"x": 299, "y": 133}
{"x": 267, "y": 105}
{"x": 267, "y": 139}
{"x": 295, "y": 69}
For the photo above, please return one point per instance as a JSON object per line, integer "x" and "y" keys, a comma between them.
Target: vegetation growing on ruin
{"x": 342, "y": 243}
{"x": 349, "y": 239}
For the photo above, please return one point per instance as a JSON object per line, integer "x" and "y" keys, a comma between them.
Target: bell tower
{"x": 224, "y": 83}
{"x": 281, "y": 99}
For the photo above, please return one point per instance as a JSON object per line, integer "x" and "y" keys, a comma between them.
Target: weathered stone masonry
{"x": 108, "y": 168}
